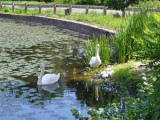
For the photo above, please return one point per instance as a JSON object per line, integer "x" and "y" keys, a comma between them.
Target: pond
{"x": 25, "y": 45}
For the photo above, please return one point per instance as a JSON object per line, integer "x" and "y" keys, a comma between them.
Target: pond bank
{"x": 124, "y": 70}
{"x": 80, "y": 27}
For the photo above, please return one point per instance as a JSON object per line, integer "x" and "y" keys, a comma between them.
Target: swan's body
{"x": 47, "y": 78}
{"x": 95, "y": 60}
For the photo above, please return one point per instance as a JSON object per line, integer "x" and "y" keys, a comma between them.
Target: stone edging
{"x": 61, "y": 23}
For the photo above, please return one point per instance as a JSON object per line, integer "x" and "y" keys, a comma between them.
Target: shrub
{"x": 6, "y": 9}
{"x": 120, "y": 4}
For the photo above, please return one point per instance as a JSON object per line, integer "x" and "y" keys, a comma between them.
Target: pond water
{"x": 25, "y": 45}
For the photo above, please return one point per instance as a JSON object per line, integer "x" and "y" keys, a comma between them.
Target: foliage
{"x": 33, "y": 12}
{"x": 125, "y": 45}
{"x": 146, "y": 103}
{"x": 151, "y": 41}
{"x": 94, "y": 18}
{"x": 150, "y": 3}
{"x": 104, "y": 52}
{"x": 19, "y": 11}
{"x": 6, "y": 9}
{"x": 82, "y": 2}
{"x": 88, "y": 2}
{"x": 126, "y": 74}
{"x": 108, "y": 21}
{"x": 120, "y": 4}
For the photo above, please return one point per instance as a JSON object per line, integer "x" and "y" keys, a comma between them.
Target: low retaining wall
{"x": 61, "y": 23}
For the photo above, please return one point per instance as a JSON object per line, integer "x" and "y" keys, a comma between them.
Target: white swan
{"x": 47, "y": 78}
{"x": 95, "y": 60}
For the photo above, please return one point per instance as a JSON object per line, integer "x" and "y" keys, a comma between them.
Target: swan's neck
{"x": 41, "y": 75}
{"x": 97, "y": 52}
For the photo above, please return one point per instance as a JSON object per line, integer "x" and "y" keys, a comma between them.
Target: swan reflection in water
{"x": 49, "y": 88}
{"x": 96, "y": 93}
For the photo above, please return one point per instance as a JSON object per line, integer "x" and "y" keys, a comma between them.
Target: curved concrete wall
{"x": 61, "y": 23}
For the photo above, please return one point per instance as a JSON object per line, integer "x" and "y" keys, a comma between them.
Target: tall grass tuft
{"x": 125, "y": 45}
{"x": 104, "y": 49}
{"x": 19, "y": 11}
{"x": 34, "y": 11}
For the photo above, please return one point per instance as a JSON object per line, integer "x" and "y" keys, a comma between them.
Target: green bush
{"x": 120, "y": 4}
{"x": 19, "y": 11}
{"x": 33, "y": 12}
{"x": 6, "y": 9}
{"x": 151, "y": 41}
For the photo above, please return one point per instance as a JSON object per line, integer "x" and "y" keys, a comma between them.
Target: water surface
{"x": 25, "y": 45}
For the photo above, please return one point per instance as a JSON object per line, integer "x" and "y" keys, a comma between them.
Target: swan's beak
{"x": 38, "y": 67}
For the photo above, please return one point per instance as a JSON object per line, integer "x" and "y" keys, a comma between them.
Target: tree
{"x": 120, "y": 4}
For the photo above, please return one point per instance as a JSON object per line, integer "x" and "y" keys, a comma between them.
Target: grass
{"x": 128, "y": 76}
{"x": 126, "y": 73}
{"x": 108, "y": 21}
{"x": 150, "y": 4}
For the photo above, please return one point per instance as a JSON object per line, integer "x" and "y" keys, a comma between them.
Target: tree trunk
{"x": 123, "y": 13}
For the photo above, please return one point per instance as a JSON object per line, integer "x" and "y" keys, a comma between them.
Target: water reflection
{"x": 96, "y": 92}
{"x": 95, "y": 96}
{"x": 50, "y": 88}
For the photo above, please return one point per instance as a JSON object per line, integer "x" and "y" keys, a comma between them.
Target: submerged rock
{"x": 108, "y": 72}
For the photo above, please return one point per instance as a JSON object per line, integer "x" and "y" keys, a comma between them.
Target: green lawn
{"x": 149, "y": 3}
{"x": 105, "y": 21}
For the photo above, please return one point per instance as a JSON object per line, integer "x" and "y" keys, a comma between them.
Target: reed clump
{"x": 104, "y": 52}
{"x": 124, "y": 42}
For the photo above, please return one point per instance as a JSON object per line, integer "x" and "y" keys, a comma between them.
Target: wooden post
{"x": 86, "y": 9}
{"x": 26, "y": 7}
{"x": 40, "y": 8}
{"x": 12, "y": 7}
{"x": 104, "y": 10}
{"x": 70, "y": 9}
{"x": 54, "y": 9}
{"x": 0, "y": 5}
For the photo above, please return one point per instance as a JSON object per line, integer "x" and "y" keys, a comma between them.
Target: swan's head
{"x": 41, "y": 66}
{"x": 97, "y": 47}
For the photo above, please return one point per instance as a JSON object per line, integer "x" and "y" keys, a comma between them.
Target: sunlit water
{"x": 25, "y": 45}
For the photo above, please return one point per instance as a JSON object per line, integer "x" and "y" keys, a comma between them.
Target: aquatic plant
{"x": 22, "y": 51}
